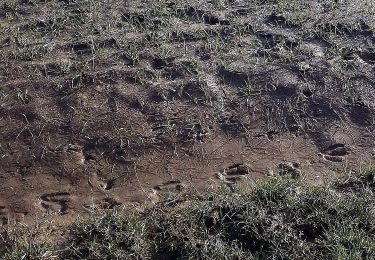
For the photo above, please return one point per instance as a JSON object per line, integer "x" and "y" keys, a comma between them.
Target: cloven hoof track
{"x": 4, "y": 216}
{"x": 292, "y": 169}
{"x": 56, "y": 202}
{"x": 233, "y": 173}
{"x": 336, "y": 153}
{"x": 155, "y": 89}
{"x": 106, "y": 203}
{"x": 8, "y": 216}
{"x": 170, "y": 186}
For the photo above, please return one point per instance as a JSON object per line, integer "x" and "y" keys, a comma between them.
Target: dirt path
{"x": 114, "y": 104}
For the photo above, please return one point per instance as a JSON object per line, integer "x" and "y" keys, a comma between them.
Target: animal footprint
{"x": 291, "y": 169}
{"x": 73, "y": 154}
{"x": 368, "y": 56}
{"x": 4, "y": 216}
{"x": 109, "y": 203}
{"x": 234, "y": 173}
{"x": 106, "y": 203}
{"x": 106, "y": 184}
{"x": 7, "y": 216}
{"x": 19, "y": 216}
{"x": 171, "y": 186}
{"x": 165, "y": 188}
{"x": 335, "y": 153}
{"x": 56, "y": 202}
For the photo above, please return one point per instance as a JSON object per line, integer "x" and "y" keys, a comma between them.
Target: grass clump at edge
{"x": 273, "y": 219}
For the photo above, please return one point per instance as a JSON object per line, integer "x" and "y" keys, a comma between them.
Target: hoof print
{"x": 4, "y": 216}
{"x": 234, "y": 173}
{"x": 289, "y": 169}
{"x": 56, "y": 202}
{"x": 109, "y": 203}
{"x": 171, "y": 186}
{"x": 335, "y": 153}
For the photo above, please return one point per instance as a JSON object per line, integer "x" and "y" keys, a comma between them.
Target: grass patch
{"x": 274, "y": 219}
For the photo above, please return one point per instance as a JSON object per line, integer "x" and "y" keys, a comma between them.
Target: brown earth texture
{"x": 113, "y": 103}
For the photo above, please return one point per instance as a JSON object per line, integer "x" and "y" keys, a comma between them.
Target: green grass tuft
{"x": 274, "y": 219}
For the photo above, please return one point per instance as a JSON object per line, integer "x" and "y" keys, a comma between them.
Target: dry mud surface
{"x": 117, "y": 102}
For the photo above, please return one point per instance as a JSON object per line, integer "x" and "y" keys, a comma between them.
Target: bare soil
{"x": 119, "y": 102}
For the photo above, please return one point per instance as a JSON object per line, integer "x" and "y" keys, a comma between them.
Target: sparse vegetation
{"x": 112, "y": 102}
{"x": 273, "y": 219}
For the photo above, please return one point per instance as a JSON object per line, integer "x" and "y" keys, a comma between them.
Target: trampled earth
{"x": 120, "y": 102}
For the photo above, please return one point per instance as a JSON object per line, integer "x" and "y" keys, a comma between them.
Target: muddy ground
{"x": 118, "y": 102}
